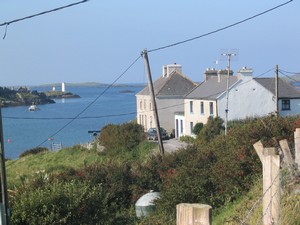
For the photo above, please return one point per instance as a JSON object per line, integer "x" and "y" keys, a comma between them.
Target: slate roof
{"x": 285, "y": 89}
{"x": 175, "y": 85}
{"x": 212, "y": 88}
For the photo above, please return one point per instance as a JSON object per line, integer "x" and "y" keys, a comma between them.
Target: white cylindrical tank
{"x": 145, "y": 204}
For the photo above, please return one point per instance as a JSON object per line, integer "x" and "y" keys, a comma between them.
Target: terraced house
{"x": 248, "y": 97}
{"x": 169, "y": 90}
{"x": 201, "y": 102}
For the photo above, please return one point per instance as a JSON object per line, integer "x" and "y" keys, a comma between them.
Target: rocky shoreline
{"x": 60, "y": 95}
{"x": 25, "y": 97}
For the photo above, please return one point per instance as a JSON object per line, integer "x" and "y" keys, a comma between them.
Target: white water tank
{"x": 145, "y": 204}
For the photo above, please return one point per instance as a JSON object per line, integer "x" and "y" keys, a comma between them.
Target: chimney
{"x": 245, "y": 73}
{"x": 168, "y": 69}
{"x": 224, "y": 73}
{"x": 210, "y": 72}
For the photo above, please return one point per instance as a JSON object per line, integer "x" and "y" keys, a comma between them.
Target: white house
{"x": 201, "y": 102}
{"x": 255, "y": 97}
{"x": 247, "y": 97}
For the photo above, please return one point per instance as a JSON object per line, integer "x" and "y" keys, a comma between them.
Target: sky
{"x": 98, "y": 40}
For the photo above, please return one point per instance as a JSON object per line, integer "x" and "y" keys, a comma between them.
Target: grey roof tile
{"x": 212, "y": 88}
{"x": 285, "y": 89}
{"x": 174, "y": 85}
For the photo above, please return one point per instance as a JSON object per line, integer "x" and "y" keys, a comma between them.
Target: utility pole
{"x": 276, "y": 92}
{"x": 151, "y": 89}
{"x": 5, "y": 217}
{"x": 228, "y": 55}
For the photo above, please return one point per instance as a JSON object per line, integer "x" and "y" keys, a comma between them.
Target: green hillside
{"x": 81, "y": 186}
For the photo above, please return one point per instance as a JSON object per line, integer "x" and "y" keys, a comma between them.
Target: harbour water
{"x": 55, "y": 123}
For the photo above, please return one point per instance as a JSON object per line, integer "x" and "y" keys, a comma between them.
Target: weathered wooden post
{"x": 297, "y": 147}
{"x": 271, "y": 183}
{"x": 193, "y": 214}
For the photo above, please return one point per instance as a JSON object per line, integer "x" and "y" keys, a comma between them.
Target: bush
{"x": 197, "y": 128}
{"x": 187, "y": 139}
{"x": 97, "y": 194}
{"x": 126, "y": 136}
{"x": 34, "y": 151}
{"x": 212, "y": 128}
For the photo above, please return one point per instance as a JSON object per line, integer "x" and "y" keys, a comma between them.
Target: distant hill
{"x": 90, "y": 84}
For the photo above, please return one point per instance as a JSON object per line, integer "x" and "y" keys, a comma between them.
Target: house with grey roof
{"x": 201, "y": 102}
{"x": 247, "y": 97}
{"x": 169, "y": 90}
{"x": 255, "y": 97}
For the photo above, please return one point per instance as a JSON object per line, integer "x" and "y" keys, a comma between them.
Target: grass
{"x": 73, "y": 157}
{"x": 249, "y": 209}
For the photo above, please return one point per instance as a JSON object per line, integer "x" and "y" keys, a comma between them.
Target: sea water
{"x": 68, "y": 121}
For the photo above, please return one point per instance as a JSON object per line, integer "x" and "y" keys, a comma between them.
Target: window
{"x": 141, "y": 105}
{"x": 191, "y": 127}
{"x": 181, "y": 126}
{"x": 145, "y": 107}
{"x": 211, "y": 108}
{"x": 286, "y": 105}
{"x": 202, "y": 108}
{"x": 191, "y": 106}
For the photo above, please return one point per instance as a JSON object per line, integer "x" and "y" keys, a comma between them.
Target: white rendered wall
{"x": 247, "y": 99}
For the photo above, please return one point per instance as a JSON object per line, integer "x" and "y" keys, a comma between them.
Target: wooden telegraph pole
{"x": 151, "y": 89}
{"x": 229, "y": 56}
{"x": 5, "y": 217}
{"x": 276, "y": 91}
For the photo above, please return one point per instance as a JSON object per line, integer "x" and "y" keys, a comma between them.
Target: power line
{"x": 220, "y": 29}
{"x": 289, "y": 72}
{"x": 280, "y": 71}
{"x": 68, "y": 118}
{"x": 38, "y": 14}
{"x": 89, "y": 105}
{"x": 42, "y": 13}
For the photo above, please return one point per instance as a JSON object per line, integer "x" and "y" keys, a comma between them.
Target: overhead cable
{"x": 42, "y": 13}
{"x": 89, "y": 105}
{"x": 281, "y": 71}
{"x": 38, "y": 14}
{"x": 220, "y": 29}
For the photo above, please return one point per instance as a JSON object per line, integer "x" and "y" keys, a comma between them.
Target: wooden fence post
{"x": 193, "y": 214}
{"x": 297, "y": 147}
{"x": 271, "y": 183}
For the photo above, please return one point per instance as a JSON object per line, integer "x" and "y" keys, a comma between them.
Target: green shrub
{"x": 97, "y": 194}
{"x": 187, "y": 139}
{"x": 212, "y": 128}
{"x": 126, "y": 136}
{"x": 197, "y": 128}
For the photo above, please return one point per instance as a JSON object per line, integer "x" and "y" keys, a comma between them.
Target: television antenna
{"x": 229, "y": 55}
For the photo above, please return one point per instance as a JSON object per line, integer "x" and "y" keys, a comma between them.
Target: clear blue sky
{"x": 97, "y": 40}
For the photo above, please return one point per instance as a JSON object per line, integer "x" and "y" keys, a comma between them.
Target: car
{"x": 152, "y": 134}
